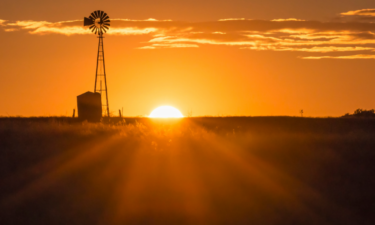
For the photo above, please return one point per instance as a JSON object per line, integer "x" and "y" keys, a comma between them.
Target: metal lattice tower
{"x": 99, "y": 23}
{"x": 100, "y": 77}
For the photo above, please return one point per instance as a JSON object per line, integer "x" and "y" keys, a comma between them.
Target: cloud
{"x": 149, "y": 19}
{"x": 294, "y": 35}
{"x": 358, "y": 15}
{"x": 170, "y": 45}
{"x": 10, "y": 30}
{"x": 290, "y": 19}
{"x": 29, "y": 24}
{"x": 229, "y": 19}
{"x": 74, "y": 27}
{"x": 361, "y": 12}
{"x": 341, "y": 57}
{"x": 320, "y": 49}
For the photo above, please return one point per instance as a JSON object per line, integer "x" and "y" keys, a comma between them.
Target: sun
{"x": 166, "y": 112}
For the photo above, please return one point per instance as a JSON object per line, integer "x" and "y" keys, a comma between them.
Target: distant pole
{"x": 74, "y": 112}
{"x": 119, "y": 112}
{"x": 301, "y": 112}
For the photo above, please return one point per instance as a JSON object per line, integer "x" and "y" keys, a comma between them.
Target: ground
{"x": 230, "y": 170}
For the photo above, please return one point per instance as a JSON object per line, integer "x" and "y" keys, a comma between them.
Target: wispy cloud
{"x": 320, "y": 49}
{"x": 341, "y": 57}
{"x": 290, "y": 34}
{"x": 358, "y": 15}
{"x": 290, "y": 19}
{"x": 29, "y": 24}
{"x": 361, "y": 12}
{"x": 169, "y": 45}
{"x": 231, "y": 19}
{"x": 75, "y": 27}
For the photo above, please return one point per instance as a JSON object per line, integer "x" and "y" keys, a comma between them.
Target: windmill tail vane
{"x": 99, "y": 23}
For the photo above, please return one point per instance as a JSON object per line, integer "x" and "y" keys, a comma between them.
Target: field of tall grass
{"x": 230, "y": 170}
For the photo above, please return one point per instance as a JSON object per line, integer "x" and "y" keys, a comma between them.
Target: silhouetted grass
{"x": 231, "y": 170}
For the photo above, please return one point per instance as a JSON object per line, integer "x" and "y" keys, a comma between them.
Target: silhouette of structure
{"x": 301, "y": 112}
{"x": 89, "y": 106}
{"x": 99, "y": 24}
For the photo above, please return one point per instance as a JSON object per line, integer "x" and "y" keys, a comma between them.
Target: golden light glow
{"x": 166, "y": 112}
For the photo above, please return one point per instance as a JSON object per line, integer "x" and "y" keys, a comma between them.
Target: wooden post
{"x": 74, "y": 112}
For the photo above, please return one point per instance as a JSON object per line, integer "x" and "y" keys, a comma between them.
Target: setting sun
{"x": 166, "y": 112}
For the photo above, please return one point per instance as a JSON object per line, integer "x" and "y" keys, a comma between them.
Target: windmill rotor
{"x": 98, "y": 21}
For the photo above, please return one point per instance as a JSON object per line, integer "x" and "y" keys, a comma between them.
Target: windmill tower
{"x": 99, "y": 24}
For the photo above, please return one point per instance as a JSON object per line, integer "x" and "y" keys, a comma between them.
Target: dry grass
{"x": 189, "y": 171}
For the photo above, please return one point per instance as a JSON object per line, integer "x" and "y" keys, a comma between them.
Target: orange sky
{"x": 213, "y": 57}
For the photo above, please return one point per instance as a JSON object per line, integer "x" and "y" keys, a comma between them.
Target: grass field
{"x": 231, "y": 170}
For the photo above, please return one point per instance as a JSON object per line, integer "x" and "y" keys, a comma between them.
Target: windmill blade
{"x": 101, "y": 14}
{"x": 91, "y": 18}
{"x": 107, "y": 21}
{"x": 92, "y": 26}
{"x": 104, "y": 15}
{"x": 106, "y": 27}
{"x": 107, "y": 24}
{"x": 93, "y": 15}
{"x": 96, "y": 14}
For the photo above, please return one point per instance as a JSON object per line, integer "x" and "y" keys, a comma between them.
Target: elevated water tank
{"x": 89, "y": 106}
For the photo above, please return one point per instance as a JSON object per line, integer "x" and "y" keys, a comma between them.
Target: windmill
{"x": 99, "y": 24}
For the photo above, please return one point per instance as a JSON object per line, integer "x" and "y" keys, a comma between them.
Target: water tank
{"x": 89, "y": 106}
